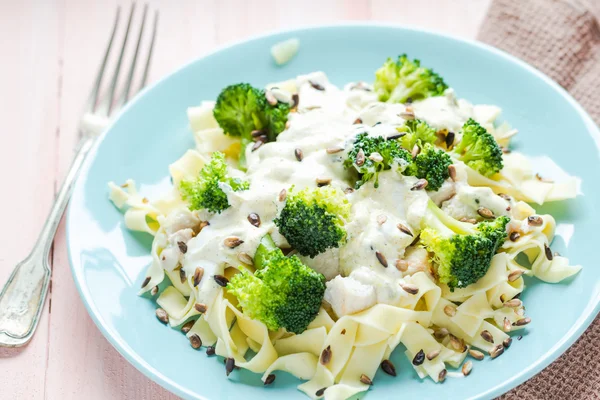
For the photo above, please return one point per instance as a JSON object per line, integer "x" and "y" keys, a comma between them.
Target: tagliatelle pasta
{"x": 387, "y": 291}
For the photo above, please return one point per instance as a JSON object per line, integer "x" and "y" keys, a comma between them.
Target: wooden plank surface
{"x": 51, "y": 52}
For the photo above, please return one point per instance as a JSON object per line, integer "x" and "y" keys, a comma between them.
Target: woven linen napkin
{"x": 562, "y": 39}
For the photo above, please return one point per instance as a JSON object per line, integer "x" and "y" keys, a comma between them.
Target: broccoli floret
{"x": 276, "y": 117}
{"x": 431, "y": 164}
{"x": 204, "y": 192}
{"x": 397, "y": 81}
{"x": 462, "y": 251}
{"x": 369, "y": 168}
{"x": 282, "y": 293}
{"x": 242, "y": 108}
{"x": 478, "y": 149}
{"x": 312, "y": 220}
{"x": 416, "y": 132}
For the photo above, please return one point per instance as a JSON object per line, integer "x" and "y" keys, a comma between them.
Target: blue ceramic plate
{"x": 108, "y": 261}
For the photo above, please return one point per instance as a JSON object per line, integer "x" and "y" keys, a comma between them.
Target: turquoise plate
{"x": 108, "y": 262}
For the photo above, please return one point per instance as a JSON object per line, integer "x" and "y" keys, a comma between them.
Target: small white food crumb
{"x": 284, "y": 51}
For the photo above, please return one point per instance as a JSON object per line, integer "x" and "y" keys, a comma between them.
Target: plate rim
{"x": 559, "y": 348}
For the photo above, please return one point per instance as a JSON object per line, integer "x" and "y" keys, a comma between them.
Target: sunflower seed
{"x": 419, "y": 358}
{"x": 323, "y": 181}
{"x": 245, "y": 258}
{"x": 326, "y": 355}
{"x": 404, "y": 229}
{"x": 233, "y": 242}
{"x": 316, "y": 86}
{"x": 299, "y": 154}
{"x": 320, "y": 392}
{"x": 270, "y": 98}
{"x": 415, "y": 151}
{"x": 388, "y": 367}
{"x": 497, "y": 351}
{"x": 420, "y": 184}
{"x": 187, "y": 327}
{"x": 333, "y": 150}
{"x": 348, "y": 190}
{"x": 548, "y": 252}
{"x": 295, "y": 100}
{"x": 381, "y": 218}
{"x": 376, "y": 157}
{"x": 476, "y": 354}
{"x": 457, "y": 344}
{"x": 522, "y": 321}
{"x": 360, "y": 158}
{"x": 229, "y": 365}
{"x": 162, "y": 315}
{"x": 257, "y": 133}
{"x": 469, "y": 220}
{"x": 282, "y": 96}
{"x": 402, "y": 265}
{"x": 507, "y": 342}
{"x": 381, "y": 258}
{"x": 210, "y": 351}
{"x": 407, "y": 115}
{"x": 395, "y": 136}
{"x": 182, "y": 247}
{"x": 154, "y": 291}
{"x": 282, "y": 195}
{"x": 198, "y": 274}
{"x": 513, "y": 303}
{"x": 485, "y": 213}
{"x": 257, "y": 144}
{"x": 146, "y": 282}
{"x": 409, "y": 288}
{"x": 442, "y": 375}
{"x": 467, "y": 367}
{"x": 357, "y": 121}
{"x": 433, "y": 354}
{"x": 200, "y": 307}
{"x": 505, "y": 196}
{"x": 450, "y": 311}
{"x": 254, "y": 219}
{"x": 516, "y": 274}
{"x": 535, "y": 220}
{"x": 182, "y": 276}
{"x": 221, "y": 280}
{"x": 366, "y": 380}
{"x": 487, "y": 336}
{"x": 514, "y": 236}
{"x": 270, "y": 379}
{"x": 452, "y": 172}
{"x": 507, "y": 325}
{"x": 440, "y": 333}
{"x": 195, "y": 341}
{"x": 450, "y": 139}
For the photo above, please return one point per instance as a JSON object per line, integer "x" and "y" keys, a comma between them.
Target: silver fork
{"x": 22, "y": 298}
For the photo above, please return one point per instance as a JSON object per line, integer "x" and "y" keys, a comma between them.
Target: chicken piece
{"x": 349, "y": 296}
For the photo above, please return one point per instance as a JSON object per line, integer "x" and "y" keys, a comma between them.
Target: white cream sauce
{"x": 325, "y": 119}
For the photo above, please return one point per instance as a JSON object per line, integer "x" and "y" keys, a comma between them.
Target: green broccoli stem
{"x": 264, "y": 251}
{"x": 245, "y": 141}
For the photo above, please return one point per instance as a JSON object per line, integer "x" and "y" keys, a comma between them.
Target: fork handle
{"x": 23, "y": 296}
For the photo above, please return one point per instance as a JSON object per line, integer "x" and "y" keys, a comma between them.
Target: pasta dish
{"x": 314, "y": 229}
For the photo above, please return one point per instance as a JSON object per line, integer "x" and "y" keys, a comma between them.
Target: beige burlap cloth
{"x": 562, "y": 39}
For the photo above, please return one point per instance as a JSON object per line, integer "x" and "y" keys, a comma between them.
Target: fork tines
{"x": 105, "y": 106}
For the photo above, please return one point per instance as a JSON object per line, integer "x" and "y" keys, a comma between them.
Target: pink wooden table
{"x": 50, "y": 51}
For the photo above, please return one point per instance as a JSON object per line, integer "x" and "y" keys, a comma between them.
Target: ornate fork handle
{"x": 23, "y": 297}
